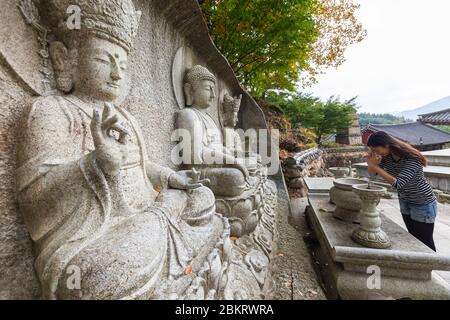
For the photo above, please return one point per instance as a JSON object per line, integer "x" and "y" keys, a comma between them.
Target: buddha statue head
{"x": 91, "y": 61}
{"x": 230, "y": 110}
{"x": 199, "y": 87}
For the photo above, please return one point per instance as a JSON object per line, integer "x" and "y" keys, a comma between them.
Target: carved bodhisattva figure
{"x": 231, "y": 138}
{"x": 86, "y": 187}
{"x": 230, "y": 111}
{"x": 240, "y": 185}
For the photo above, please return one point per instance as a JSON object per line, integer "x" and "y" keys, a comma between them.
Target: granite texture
{"x": 405, "y": 268}
{"x": 165, "y": 26}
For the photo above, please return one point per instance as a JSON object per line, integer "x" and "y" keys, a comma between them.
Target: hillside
{"x": 373, "y": 118}
{"x": 437, "y": 105}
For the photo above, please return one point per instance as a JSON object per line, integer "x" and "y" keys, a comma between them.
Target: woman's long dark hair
{"x": 399, "y": 148}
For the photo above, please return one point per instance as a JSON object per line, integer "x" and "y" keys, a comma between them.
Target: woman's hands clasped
{"x": 373, "y": 160}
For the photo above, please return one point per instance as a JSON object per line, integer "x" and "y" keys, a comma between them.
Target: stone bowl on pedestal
{"x": 348, "y": 203}
{"x": 369, "y": 233}
{"x": 339, "y": 172}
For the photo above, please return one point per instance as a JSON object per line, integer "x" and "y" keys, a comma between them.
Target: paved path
{"x": 293, "y": 270}
{"x": 441, "y": 228}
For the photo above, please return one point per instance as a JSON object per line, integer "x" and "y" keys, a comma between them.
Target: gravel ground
{"x": 293, "y": 273}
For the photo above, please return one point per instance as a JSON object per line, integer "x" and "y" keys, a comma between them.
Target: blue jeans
{"x": 419, "y": 212}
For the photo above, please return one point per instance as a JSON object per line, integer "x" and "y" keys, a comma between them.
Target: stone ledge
{"x": 408, "y": 264}
{"x": 345, "y": 149}
{"x": 438, "y": 157}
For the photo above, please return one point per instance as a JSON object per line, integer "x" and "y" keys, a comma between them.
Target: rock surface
{"x": 165, "y": 26}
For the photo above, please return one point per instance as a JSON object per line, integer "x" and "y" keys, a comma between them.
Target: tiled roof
{"x": 438, "y": 117}
{"x": 415, "y": 133}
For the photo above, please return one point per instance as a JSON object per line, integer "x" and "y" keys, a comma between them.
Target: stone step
{"x": 438, "y": 157}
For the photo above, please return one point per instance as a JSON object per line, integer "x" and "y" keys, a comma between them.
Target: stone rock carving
{"x": 85, "y": 185}
{"x": 231, "y": 139}
{"x": 31, "y": 15}
{"x": 369, "y": 233}
{"x": 239, "y": 182}
{"x": 106, "y": 222}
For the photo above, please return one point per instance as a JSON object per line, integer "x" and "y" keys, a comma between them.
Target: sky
{"x": 402, "y": 64}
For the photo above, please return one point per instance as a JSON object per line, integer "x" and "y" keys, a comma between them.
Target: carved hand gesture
{"x": 241, "y": 167}
{"x": 110, "y": 151}
{"x": 183, "y": 182}
{"x": 233, "y": 162}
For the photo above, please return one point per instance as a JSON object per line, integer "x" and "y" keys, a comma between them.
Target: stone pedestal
{"x": 348, "y": 203}
{"x": 369, "y": 233}
{"x": 351, "y": 271}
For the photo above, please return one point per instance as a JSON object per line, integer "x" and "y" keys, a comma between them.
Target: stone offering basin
{"x": 348, "y": 203}
{"x": 364, "y": 190}
{"x": 339, "y": 172}
{"x": 369, "y": 233}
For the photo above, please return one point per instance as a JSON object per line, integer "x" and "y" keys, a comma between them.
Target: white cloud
{"x": 403, "y": 63}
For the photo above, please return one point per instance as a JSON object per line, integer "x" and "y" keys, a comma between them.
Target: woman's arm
{"x": 412, "y": 166}
{"x": 386, "y": 176}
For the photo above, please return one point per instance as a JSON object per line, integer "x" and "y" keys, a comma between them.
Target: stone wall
{"x": 165, "y": 27}
{"x": 315, "y": 162}
{"x": 340, "y": 157}
{"x": 308, "y": 163}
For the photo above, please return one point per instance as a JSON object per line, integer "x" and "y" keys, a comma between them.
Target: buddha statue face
{"x": 95, "y": 70}
{"x": 202, "y": 93}
{"x": 200, "y": 87}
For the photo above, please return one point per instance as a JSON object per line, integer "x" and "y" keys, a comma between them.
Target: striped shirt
{"x": 410, "y": 182}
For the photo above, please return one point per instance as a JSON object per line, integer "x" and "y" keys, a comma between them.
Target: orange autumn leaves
{"x": 278, "y": 44}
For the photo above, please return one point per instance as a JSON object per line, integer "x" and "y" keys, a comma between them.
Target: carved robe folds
{"x": 242, "y": 201}
{"x": 121, "y": 236}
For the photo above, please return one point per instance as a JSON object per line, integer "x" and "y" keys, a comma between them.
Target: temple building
{"x": 441, "y": 117}
{"x": 422, "y": 136}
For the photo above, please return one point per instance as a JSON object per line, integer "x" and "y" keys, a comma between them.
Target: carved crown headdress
{"x": 198, "y": 73}
{"x": 113, "y": 20}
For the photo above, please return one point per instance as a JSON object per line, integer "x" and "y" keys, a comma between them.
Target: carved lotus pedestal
{"x": 245, "y": 211}
{"x": 348, "y": 203}
{"x": 369, "y": 233}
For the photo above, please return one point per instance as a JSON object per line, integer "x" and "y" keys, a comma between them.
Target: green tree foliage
{"x": 378, "y": 118}
{"x": 306, "y": 111}
{"x": 275, "y": 44}
{"x": 443, "y": 127}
